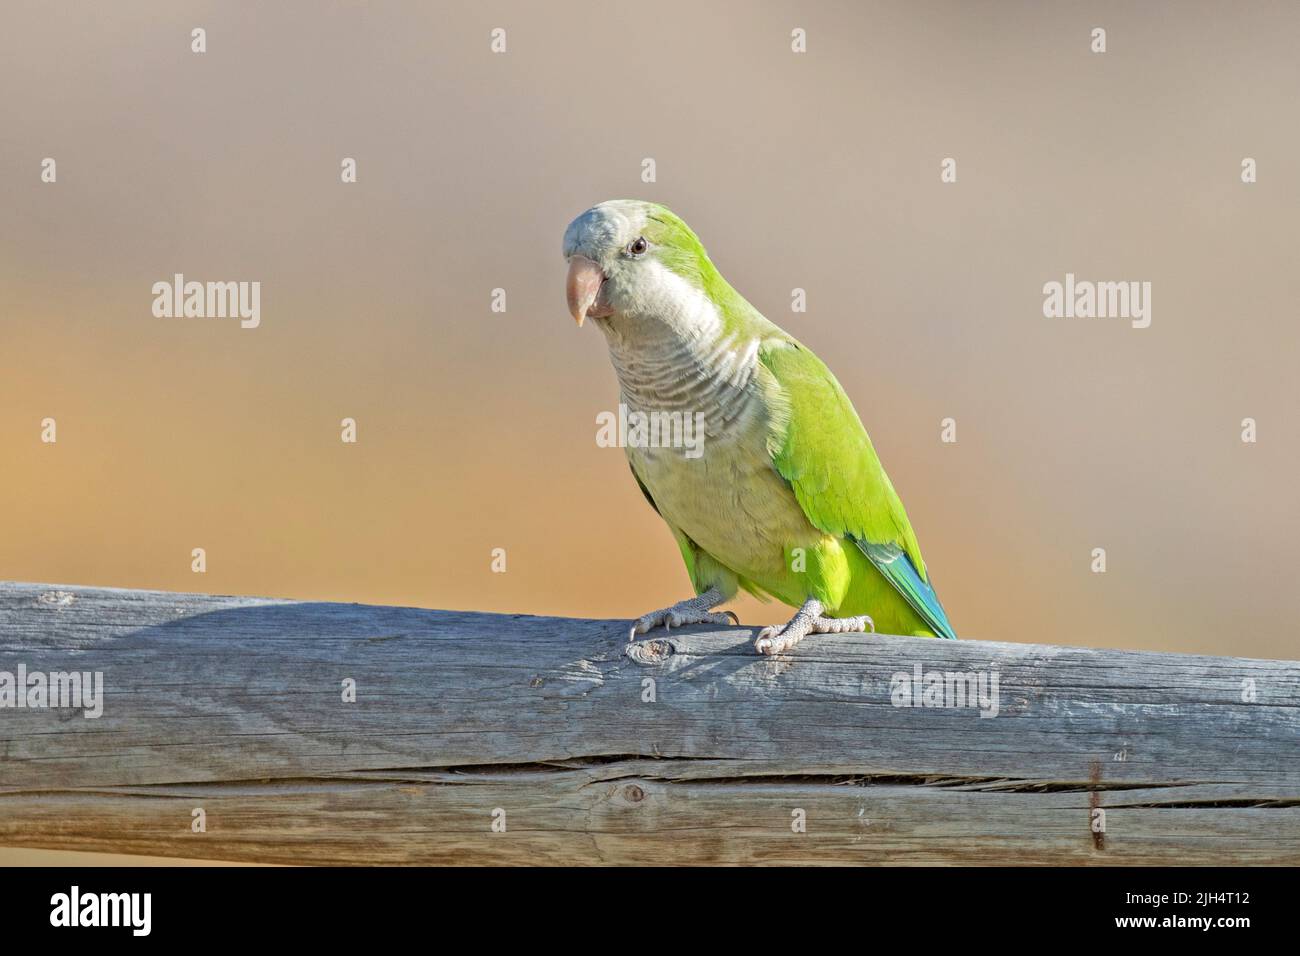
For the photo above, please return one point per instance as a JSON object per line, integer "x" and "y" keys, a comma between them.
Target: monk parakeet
{"x": 783, "y": 494}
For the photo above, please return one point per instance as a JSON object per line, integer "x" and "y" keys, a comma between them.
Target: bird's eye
{"x": 637, "y": 246}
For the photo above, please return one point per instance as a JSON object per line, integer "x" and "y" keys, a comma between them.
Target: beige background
{"x": 819, "y": 171}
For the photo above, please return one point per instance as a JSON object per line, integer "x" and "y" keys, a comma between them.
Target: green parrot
{"x": 782, "y": 493}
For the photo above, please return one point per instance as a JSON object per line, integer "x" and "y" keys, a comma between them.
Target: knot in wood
{"x": 650, "y": 652}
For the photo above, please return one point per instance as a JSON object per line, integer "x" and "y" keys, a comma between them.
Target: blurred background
{"x": 476, "y": 430}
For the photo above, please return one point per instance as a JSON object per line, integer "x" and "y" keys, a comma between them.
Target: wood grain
{"x": 235, "y": 705}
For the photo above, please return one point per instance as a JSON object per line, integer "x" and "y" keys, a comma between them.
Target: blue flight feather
{"x": 896, "y": 566}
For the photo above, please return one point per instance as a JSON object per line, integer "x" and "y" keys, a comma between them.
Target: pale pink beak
{"x": 583, "y": 288}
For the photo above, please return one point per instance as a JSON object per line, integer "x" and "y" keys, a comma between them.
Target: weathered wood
{"x": 234, "y": 705}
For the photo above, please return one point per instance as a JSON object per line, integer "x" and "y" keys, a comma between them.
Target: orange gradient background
{"x": 818, "y": 171}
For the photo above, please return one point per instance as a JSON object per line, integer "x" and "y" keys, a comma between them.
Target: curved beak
{"x": 582, "y": 287}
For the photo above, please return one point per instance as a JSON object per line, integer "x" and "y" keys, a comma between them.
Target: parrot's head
{"x": 633, "y": 265}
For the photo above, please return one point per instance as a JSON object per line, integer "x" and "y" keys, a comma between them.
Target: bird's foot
{"x": 843, "y": 625}
{"x": 778, "y": 639}
{"x": 696, "y": 610}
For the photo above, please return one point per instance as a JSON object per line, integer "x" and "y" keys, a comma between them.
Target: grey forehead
{"x": 599, "y": 227}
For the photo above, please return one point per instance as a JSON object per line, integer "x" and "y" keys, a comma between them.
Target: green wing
{"x": 819, "y": 446}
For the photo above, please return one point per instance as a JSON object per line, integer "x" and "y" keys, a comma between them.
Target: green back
{"x": 819, "y": 446}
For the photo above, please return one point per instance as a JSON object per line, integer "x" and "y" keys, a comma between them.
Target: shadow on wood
{"x": 484, "y": 738}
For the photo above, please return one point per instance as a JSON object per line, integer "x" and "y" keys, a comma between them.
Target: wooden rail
{"x": 487, "y": 738}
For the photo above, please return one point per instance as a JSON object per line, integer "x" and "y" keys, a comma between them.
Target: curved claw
{"x": 683, "y": 613}
{"x": 765, "y": 643}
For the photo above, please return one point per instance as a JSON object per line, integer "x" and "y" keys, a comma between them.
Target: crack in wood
{"x": 237, "y": 702}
